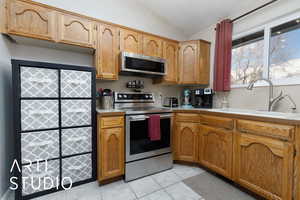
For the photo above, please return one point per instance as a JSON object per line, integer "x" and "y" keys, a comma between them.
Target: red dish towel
{"x": 154, "y": 127}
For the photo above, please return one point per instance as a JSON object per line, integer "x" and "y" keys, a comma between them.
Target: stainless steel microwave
{"x": 132, "y": 63}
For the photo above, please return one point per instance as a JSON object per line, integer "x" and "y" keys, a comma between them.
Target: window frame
{"x": 267, "y": 38}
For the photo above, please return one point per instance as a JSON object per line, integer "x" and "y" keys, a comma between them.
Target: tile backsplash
{"x": 160, "y": 91}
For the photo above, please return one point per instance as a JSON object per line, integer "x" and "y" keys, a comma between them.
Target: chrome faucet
{"x": 272, "y": 100}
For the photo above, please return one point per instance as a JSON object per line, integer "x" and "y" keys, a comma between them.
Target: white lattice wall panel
{"x": 39, "y": 114}
{"x": 76, "y": 83}
{"x": 39, "y": 82}
{"x": 76, "y": 140}
{"x": 39, "y": 145}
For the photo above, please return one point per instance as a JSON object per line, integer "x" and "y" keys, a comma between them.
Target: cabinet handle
{"x": 75, "y": 82}
{"x": 42, "y": 175}
{"x": 76, "y": 111}
{"x": 40, "y": 80}
{"x": 79, "y": 167}
{"x": 40, "y": 112}
{"x": 78, "y": 139}
{"x": 40, "y": 144}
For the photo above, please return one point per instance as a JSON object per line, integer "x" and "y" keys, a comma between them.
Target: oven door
{"x": 138, "y": 143}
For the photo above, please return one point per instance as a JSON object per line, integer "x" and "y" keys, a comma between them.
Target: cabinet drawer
{"x": 78, "y": 168}
{"x": 39, "y": 82}
{"x": 39, "y": 114}
{"x": 39, "y": 145}
{"x": 76, "y": 112}
{"x": 108, "y": 122}
{"x": 34, "y": 176}
{"x": 76, "y": 84}
{"x": 76, "y": 140}
{"x": 214, "y": 121}
{"x": 279, "y": 131}
{"x": 187, "y": 117}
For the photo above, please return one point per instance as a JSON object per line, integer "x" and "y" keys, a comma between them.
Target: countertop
{"x": 110, "y": 112}
{"x": 291, "y": 117}
{"x": 244, "y": 113}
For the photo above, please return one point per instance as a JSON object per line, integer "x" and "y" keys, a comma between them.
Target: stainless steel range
{"x": 144, "y": 156}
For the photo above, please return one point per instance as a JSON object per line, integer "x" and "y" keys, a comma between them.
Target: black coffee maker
{"x": 203, "y": 98}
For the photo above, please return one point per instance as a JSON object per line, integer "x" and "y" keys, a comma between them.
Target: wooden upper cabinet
{"x": 131, "y": 41}
{"x": 186, "y": 141}
{"x": 171, "y": 55}
{"x": 152, "y": 46}
{"x": 75, "y": 30}
{"x": 194, "y": 62}
{"x": 29, "y": 20}
{"x": 265, "y": 166}
{"x": 204, "y": 63}
{"x": 216, "y": 149}
{"x": 106, "y": 52}
{"x": 189, "y": 62}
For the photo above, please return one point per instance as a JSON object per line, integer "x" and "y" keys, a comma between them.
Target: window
{"x": 285, "y": 52}
{"x": 272, "y": 53}
{"x": 247, "y": 59}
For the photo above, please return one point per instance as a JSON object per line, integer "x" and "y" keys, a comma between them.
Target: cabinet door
{"x": 171, "y": 55}
{"x": 265, "y": 166}
{"x": 186, "y": 138}
{"x": 30, "y": 21}
{"x": 112, "y": 152}
{"x": 106, "y": 53}
{"x": 75, "y": 30}
{"x": 131, "y": 41}
{"x": 204, "y": 63}
{"x": 152, "y": 46}
{"x": 216, "y": 150}
{"x": 189, "y": 63}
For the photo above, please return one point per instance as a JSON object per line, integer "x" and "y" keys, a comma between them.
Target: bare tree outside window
{"x": 247, "y": 63}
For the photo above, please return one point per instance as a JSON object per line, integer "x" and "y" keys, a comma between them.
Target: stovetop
{"x": 137, "y": 103}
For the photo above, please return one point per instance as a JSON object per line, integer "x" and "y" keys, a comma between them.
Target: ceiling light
{"x": 298, "y": 21}
{"x": 278, "y": 32}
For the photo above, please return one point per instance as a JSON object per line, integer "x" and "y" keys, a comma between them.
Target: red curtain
{"x": 222, "y": 71}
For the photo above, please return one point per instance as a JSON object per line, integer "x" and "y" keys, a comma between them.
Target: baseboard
{"x": 8, "y": 195}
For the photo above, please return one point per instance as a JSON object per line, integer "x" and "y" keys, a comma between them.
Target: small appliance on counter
{"x": 105, "y": 98}
{"x": 203, "y": 98}
{"x": 170, "y": 102}
{"x": 187, "y": 98}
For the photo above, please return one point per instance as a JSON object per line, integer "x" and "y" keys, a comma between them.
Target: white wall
{"x": 256, "y": 99}
{"x": 124, "y": 12}
{"x": 6, "y": 134}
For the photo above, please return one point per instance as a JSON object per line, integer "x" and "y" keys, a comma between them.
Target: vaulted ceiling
{"x": 191, "y": 16}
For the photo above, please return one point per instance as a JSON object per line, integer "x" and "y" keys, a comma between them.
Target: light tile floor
{"x": 180, "y": 183}
{"x": 167, "y": 185}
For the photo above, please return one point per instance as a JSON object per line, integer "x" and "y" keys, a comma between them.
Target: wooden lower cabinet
{"x": 265, "y": 166}
{"x": 110, "y": 149}
{"x": 215, "y": 149}
{"x": 186, "y": 146}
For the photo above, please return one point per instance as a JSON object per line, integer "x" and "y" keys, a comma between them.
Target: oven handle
{"x": 144, "y": 117}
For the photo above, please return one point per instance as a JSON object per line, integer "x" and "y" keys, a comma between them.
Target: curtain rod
{"x": 254, "y": 10}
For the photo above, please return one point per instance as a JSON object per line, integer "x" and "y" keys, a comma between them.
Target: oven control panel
{"x": 133, "y": 97}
